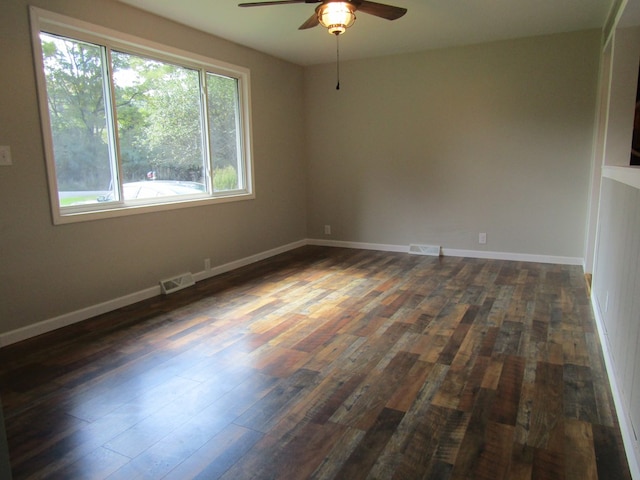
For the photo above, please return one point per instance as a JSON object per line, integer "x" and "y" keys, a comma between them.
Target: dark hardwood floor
{"x": 325, "y": 363}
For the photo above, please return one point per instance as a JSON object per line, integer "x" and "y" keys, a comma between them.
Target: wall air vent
{"x": 433, "y": 250}
{"x": 174, "y": 284}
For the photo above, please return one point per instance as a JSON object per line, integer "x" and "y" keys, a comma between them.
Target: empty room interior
{"x": 234, "y": 246}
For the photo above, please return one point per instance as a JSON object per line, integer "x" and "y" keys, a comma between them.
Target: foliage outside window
{"x": 130, "y": 126}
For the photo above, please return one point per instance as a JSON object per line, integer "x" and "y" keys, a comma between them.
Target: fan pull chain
{"x": 338, "y": 61}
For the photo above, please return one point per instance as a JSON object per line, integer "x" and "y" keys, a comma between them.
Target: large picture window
{"x": 131, "y": 126}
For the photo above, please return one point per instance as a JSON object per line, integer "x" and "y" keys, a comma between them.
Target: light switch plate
{"x": 5, "y": 155}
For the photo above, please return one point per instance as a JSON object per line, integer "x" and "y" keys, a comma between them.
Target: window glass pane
{"x": 76, "y": 102}
{"x": 224, "y": 132}
{"x": 159, "y": 127}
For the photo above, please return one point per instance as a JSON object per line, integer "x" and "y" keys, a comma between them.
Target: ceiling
{"x": 428, "y": 24}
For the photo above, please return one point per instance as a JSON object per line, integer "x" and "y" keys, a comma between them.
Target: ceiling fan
{"x": 338, "y": 15}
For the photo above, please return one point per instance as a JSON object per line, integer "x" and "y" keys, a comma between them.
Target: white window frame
{"x": 57, "y": 24}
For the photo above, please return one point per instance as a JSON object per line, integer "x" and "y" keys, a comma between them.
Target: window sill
{"x": 627, "y": 175}
{"x": 62, "y": 218}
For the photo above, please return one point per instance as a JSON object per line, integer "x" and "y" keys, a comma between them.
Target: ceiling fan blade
{"x": 310, "y": 23}
{"x": 275, "y": 2}
{"x": 380, "y": 10}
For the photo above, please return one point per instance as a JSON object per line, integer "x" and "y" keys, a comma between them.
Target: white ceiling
{"x": 428, "y": 24}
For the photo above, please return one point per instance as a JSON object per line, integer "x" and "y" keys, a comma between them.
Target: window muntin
{"x": 131, "y": 126}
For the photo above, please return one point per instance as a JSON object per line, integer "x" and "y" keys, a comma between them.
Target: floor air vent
{"x": 174, "y": 284}
{"x": 433, "y": 250}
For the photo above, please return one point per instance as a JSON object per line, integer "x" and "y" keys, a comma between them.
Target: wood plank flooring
{"x": 325, "y": 363}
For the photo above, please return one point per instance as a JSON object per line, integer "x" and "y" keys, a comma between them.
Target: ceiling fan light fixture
{"x": 336, "y": 17}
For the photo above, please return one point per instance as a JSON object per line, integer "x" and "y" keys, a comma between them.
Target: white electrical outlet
{"x": 327, "y": 229}
{"x": 482, "y": 238}
{"x": 207, "y": 264}
{"x": 5, "y": 155}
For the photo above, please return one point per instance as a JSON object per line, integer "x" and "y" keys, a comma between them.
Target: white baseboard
{"x": 452, "y": 252}
{"x": 631, "y": 444}
{"x": 227, "y": 267}
{"x": 66, "y": 319}
{"x": 516, "y": 257}
{"x": 358, "y": 245}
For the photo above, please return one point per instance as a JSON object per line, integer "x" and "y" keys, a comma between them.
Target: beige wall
{"x": 47, "y": 270}
{"x": 438, "y": 146}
